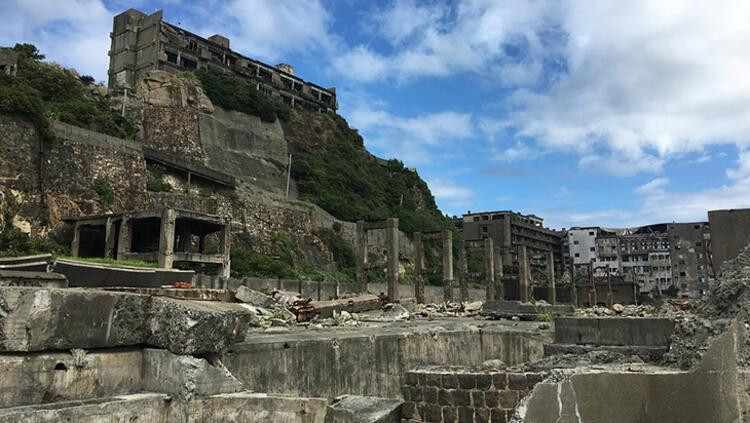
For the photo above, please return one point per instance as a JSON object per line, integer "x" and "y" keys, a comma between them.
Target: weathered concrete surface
{"x": 34, "y": 319}
{"x": 644, "y": 352}
{"x": 93, "y": 275}
{"x": 642, "y": 331}
{"x": 196, "y": 327}
{"x": 501, "y": 309}
{"x": 33, "y": 279}
{"x": 356, "y": 409}
{"x": 160, "y": 408}
{"x": 373, "y": 361}
{"x": 185, "y": 375}
{"x": 179, "y": 293}
{"x": 37, "y": 378}
{"x": 251, "y": 296}
{"x": 37, "y": 319}
{"x": 36, "y": 263}
{"x": 710, "y": 393}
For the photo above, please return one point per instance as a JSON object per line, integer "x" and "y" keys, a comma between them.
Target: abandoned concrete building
{"x": 8, "y": 61}
{"x": 729, "y": 234}
{"x": 169, "y": 237}
{"x": 509, "y": 230}
{"x": 142, "y": 43}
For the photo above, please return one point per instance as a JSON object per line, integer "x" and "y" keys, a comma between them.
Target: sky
{"x": 609, "y": 113}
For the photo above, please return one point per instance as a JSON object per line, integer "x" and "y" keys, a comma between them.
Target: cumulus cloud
{"x": 453, "y": 198}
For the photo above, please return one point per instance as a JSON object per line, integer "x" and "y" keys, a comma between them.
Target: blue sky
{"x": 603, "y": 113}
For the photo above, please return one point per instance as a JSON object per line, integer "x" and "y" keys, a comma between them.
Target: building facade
{"x": 579, "y": 244}
{"x": 141, "y": 43}
{"x": 730, "y": 234}
{"x": 8, "y": 61}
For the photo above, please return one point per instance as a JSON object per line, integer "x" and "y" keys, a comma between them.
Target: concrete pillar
{"x": 463, "y": 273}
{"x": 507, "y": 244}
{"x": 499, "y": 285}
{"x": 126, "y": 236}
{"x": 523, "y": 274}
{"x": 551, "y": 291}
{"x": 611, "y": 297}
{"x": 109, "y": 238}
{"x": 489, "y": 270}
{"x": 392, "y": 240}
{"x": 166, "y": 238}
{"x": 75, "y": 246}
{"x": 418, "y": 265}
{"x": 594, "y": 300}
{"x": 573, "y": 289}
{"x": 447, "y": 265}
{"x": 225, "y": 248}
{"x": 361, "y": 256}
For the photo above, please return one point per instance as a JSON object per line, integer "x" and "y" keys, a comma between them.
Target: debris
{"x": 307, "y": 310}
{"x": 392, "y": 312}
{"x": 618, "y": 308}
{"x": 183, "y": 285}
{"x": 251, "y": 296}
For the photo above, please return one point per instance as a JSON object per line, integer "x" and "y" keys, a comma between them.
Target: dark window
{"x": 190, "y": 64}
{"x": 591, "y": 233}
{"x": 578, "y": 255}
{"x": 484, "y": 229}
{"x": 171, "y": 57}
{"x": 192, "y": 45}
{"x": 698, "y": 243}
{"x": 592, "y": 249}
{"x": 575, "y": 242}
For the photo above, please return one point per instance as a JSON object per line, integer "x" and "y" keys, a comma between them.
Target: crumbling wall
{"x": 450, "y": 394}
{"x": 173, "y": 130}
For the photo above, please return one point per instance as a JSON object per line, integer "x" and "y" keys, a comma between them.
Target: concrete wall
{"x": 370, "y": 362}
{"x": 730, "y": 234}
{"x": 644, "y": 331}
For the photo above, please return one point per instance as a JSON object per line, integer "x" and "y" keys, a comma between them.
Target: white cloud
{"x": 453, "y": 198}
{"x": 74, "y": 33}
{"x": 520, "y": 151}
{"x": 416, "y": 139}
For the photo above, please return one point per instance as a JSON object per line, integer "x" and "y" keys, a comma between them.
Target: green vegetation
{"x": 104, "y": 190}
{"x": 233, "y": 93}
{"x": 343, "y": 254}
{"x": 15, "y": 243}
{"x": 344, "y": 179}
{"x": 102, "y": 260}
{"x": 42, "y": 90}
{"x": 159, "y": 185}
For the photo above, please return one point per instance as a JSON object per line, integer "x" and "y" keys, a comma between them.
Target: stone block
{"x": 517, "y": 381}
{"x": 461, "y": 397}
{"x": 532, "y": 379}
{"x": 465, "y": 415}
{"x": 450, "y": 415}
{"x": 430, "y": 394}
{"x": 37, "y": 319}
{"x": 467, "y": 381}
{"x": 32, "y": 279}
{"x": 185, "y": 375}
{"x": 409, "y": 410}
{"x": 484, "y": 381}
{"x": 508, "y": 399}
{"x": 450, "y": 381}
{"x": 197, "y": 327}
{"x": 499, "y": 380}
{"x": 362, "y": 409}
{"x": 492, "y": 399}
{"x": 410, "y": 378}
{"x": 477, "y": 399}
{"x": 445, "y": 397}
{"x": 614, "y": 331}
{"x": 497, "y": 416}
{"x": 433, "y": 413}
{"x": 481, "y": 415}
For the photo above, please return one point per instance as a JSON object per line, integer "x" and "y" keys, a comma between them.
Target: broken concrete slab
{"x": 325, "y": 309}
{"x": 524, "y": 311}
{"x": 359, "y": 409}
{"x": 35, "y": 263}
{"x": 185, "y": 375}
{"x": 710, "y": 393}
{"x": 37, "y": 319}
{"x": 179, "y": 293}
{"x": 37, "y": 378}
{"x": 145, "y": 407}
{"x": 249, "y": 407}
{"x": 196, "y": 327}
{"x": 32, "y": 279}
{"x": 251, "y": 296}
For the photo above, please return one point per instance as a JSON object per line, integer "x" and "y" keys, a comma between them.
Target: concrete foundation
{"x": 33, "y": 279}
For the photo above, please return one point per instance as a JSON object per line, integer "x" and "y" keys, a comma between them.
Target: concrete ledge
{"x": 645, "y": 353}
{"x": 37, "y": 378}
{"x": 223, "y": 295}
{"x": 145, "y": 407}
{"x": 95, "y": 275}
{"x": 622, "y": 331}
{"x": 34, "y": 279}
{"x": 524, "y": 311}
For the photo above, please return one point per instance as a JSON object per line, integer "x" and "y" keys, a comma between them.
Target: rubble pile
{"x": 571, "y": 361}
{"x": 448, "y": 309}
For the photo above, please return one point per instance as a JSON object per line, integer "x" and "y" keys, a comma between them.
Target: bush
{"x": 343, "y": 253}
{"x": 246, "y": 263}
{"x": 235, "y": 93}
{"x": 104, "y": 190}
{"x": 158, "y": 185}
{"x": 13, "y": 243}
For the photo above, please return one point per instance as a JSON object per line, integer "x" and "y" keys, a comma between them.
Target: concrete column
{"x": 109, "y": 238}
{"x": 552, "y": 292}
{"x": 447, "y": 265}
{"x": 523, "y": 274}
{"x": 75, "y": 246}
{"x": 126, "y": 236}
{"x": 573, "y": 289}
{"x": 392, "y": 240}
{"x": 507, "y": 244}
{"x": 166, "y": 238}
{"x": 489, "y": 270}
{"x": 499, "y": 285}
{"x": 418, "y": 265}
{"x": 594, "y": 299}
{"x": 463, "y": 272}
{"x": 225, "y": 248}
{"x": 611, "y": 298}
{"x": 361, "y": 256}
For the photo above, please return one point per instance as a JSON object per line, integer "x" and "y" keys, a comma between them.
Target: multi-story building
{"x": 637, "y": 250}
{"x": 729, "y": 235}
{"x": 142, "y": 43}
{"x": 607, "y": 254}
{"x": 509, "y": 230}
{"x": 579, "y": 244}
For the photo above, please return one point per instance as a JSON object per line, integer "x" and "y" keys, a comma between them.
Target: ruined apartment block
{"x": 141, "y": 43}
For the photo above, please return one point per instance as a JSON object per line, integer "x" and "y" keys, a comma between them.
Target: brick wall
{"x": 464, "y": 395}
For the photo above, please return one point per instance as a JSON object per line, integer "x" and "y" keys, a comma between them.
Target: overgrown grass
{"x": 235, "y": 93}
{"x": 101, "y": 260}
{"x": 103, "y": 189}
{"x": 42, "y": 90}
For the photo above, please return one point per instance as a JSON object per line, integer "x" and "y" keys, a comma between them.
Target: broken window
{"x": 171, "y": 57}
{"x": 190, "y": 64}
{"x": 192, "y": 45}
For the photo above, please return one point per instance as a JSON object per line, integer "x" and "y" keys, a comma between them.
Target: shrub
{"x": 250, "y": 263}
{"x": 235, "y": 93}
{"x": 159, "y": 185}
{"x": 104, "y": 190}
{"x": 343, "y": 254}
{"x": 13, "y": 242}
